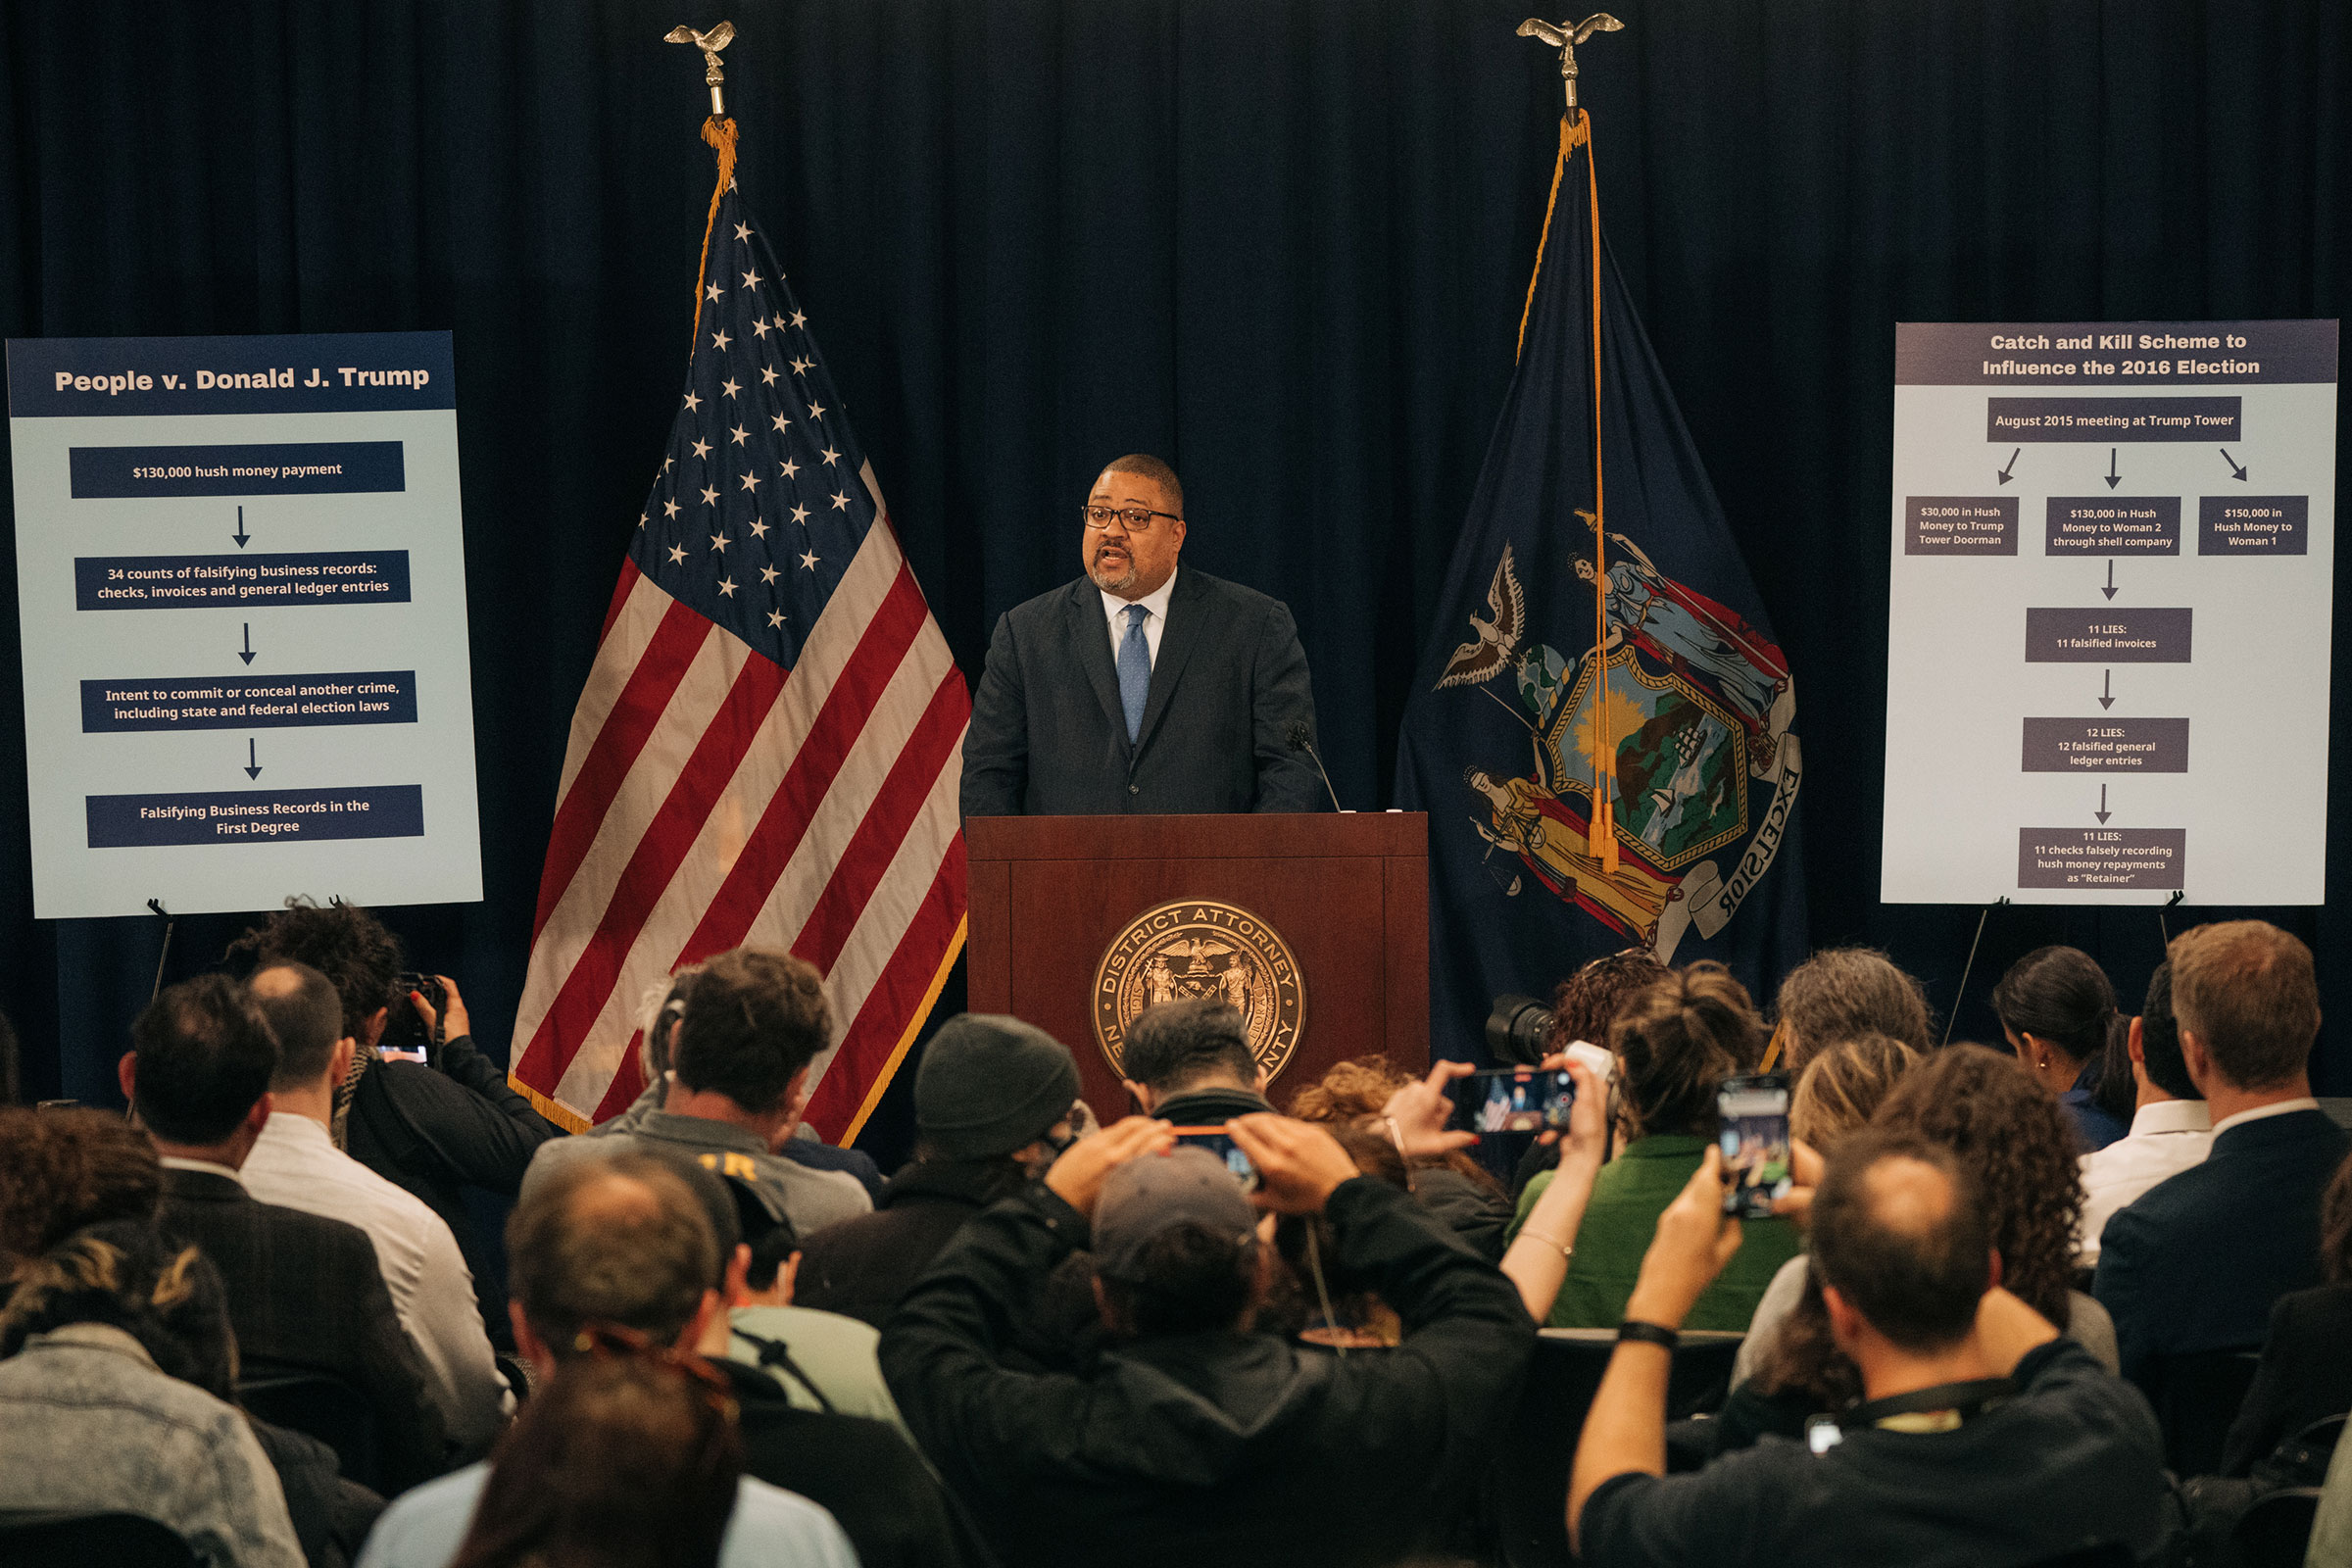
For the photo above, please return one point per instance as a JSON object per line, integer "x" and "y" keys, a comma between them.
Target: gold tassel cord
{"x": 720, "y": 134}
{"x": 1601, "y": 840}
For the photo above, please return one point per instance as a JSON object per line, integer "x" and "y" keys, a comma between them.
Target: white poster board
{"x": 242, "y": 574}
{"x": 2108, "y": 632}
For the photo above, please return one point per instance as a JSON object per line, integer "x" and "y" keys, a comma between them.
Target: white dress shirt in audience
{"x": 296, "y": 1164}
{"x": 2166, "y": 1139}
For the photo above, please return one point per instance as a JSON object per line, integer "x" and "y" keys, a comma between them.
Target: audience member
{"x": 2057, "y": 1010}
{"x": 305, "y": 1293}
{"x": 64, "y": 1169}
{"x": 1986, "y": 1436}
{"x": 1449, "y": 1183}
{"x": 96, "y": 1418}
{"x": 1840, "y": 993}
{"x": 2305, "y": 1375}
{"x": 993, "y": 1106}
{"x": 822, "y": 1360}
{"x": 434, "y": 1127}
{"x": 1587, "y": 1002}
{"x": 754, "y": 1021}
{"x": 2199, "y": 1261}
{"x": 2170, "y": 1127}
{"x": 1195, "y": 1439}
{"x": 295, "y": 1164}
{"x": 1674, "y": 1043}
{"x": 1189, "y": 1064}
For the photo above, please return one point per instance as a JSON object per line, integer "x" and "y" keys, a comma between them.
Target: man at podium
{"x": 1141, "y": 687}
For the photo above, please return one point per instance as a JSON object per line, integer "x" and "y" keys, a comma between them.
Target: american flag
{"x": 770, "y": 742}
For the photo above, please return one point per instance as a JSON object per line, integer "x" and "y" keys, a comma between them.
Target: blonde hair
{"x": 2246, "y": 990}
{"x": 1841, "y": 1087}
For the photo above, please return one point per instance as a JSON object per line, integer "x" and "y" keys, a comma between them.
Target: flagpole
{"x": 718, "y": 131}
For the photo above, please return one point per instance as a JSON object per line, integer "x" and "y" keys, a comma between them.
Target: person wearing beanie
{"x": 995, "y": 1101}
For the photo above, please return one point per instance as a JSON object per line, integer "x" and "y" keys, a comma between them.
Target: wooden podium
{"x": 1321, "y": 921}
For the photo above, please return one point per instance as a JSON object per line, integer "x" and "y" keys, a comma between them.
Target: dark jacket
{"x": 1470, "y": 1208}
{"x": 2197, "y": 1263}
{"x": 305, "y": 1295}
{"x": 862, "y": 1472}
{"x": 332, "y": 1515}
{"x": 1049, "y": 734}
{"x": 2305, "y": 1375}
{"x": 1210, "y": 1107}
{"x": 1222, "y": 1448}
{"x": 864, "y": 1267}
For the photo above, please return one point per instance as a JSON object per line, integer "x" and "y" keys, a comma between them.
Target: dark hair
{"x": 1187, "y": 1280}
{"x": 1916, "y": 1277}
{"x": 126, "y": 1275}
{"x": 771, "y": 1249}
{"x": 2336, "y": 1227}
{"x": 1293, "y": 1302}
{"x": 343, "y": 942}
{"x": 1587, "y": 1002}
{"x": 1153, "y": 468}
{"x": 69, "y": 1168}
{"x": 306, "y": 1016}
{"x": 617, "y": 1238}
{"x": 2246, "y": 990}
{"x": 623, "y": 1461}
{"x": 754, "y": 1020}
{"x": 205, "y": 1057}
{"x": 1840, "y": 993}
{"x": 2060, "y": 996}
{"x": 1173, "y": 1045}
{"x": 2160, "y": 1038}
{"x": 1677, "y": 1041}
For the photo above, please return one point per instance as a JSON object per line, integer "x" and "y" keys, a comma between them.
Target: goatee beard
{"x": 1108, "y": 583}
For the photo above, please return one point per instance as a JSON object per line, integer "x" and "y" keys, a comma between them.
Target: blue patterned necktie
{"x": 1135, "y": 671}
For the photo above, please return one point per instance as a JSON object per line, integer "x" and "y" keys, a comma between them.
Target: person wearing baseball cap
{"x": 995, "y": 1101}
{"x": 1192, "y": 1438}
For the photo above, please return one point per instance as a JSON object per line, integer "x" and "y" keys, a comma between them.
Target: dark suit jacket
{"x": 305, "y": 1295}
{"x": 1049, "y": 736}
{"x": 2305, "y": 1375}
{"x": 2197, "y": 1261}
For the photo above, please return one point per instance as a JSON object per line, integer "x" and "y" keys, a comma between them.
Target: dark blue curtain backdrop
{"x": 1283, "y": 242}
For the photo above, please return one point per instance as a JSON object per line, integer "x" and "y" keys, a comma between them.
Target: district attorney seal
{"x": 1200, "y": 948}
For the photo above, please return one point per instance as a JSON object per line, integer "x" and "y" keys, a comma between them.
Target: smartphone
{"x": 1218, "y": 1142}
{"x": 404, "y": 1038}
{"x": 1751, "y": 1113}
{"x": 1521, "y": 1100}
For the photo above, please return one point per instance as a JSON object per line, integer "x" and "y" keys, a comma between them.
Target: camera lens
{"x": 1517, "y": 1030}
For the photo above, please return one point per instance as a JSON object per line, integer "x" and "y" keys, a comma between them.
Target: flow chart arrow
{"x": 241, "y": 536}
{"x": 2235, "y": 473}
{"x": 2107, "y": 689}
{"x": 2102, "y": 813}
{"x": 2004, "y": 474}
{"x": 2109, "y": 590}
{"x": 253, "y": 768}
{"x": 247, "y": 654}
{"x": 2113, "y": 478}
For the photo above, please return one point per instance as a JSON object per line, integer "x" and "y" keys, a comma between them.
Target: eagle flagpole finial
{"x": 1565, "y": 36}
{"x": 717, "y": 38}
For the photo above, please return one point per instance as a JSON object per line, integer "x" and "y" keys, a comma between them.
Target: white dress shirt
{"x": 2166, "y": 1139}
{"x": 1155, "y": 618}
{"x": 295, "y": 1164}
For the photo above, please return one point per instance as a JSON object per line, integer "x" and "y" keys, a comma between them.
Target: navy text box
{"x": 2114, "y": 421}
{"x": 313, "y": 373}
{"x": 2112, "y": 857}
{"x": 2106, "y": 744}
{"x": 2109, "y": 636}
{"x": 256, "y": 816}
{"x": 2253, "y": 525}
{"x": 213, "y": 582}
{"x": 2112, "y": 526}
{"x": 249, "y": 702}
{"x": 1960, "y": 525}
{"x": 272, "y": 468}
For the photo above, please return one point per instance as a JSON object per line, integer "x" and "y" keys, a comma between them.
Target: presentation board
{"x": 240, "y": 567}
{"x": 2109, "y": 613}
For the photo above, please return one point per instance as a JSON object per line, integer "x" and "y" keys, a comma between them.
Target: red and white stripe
{"x": 711, "y": 798}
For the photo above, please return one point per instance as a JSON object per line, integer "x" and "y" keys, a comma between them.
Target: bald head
{"x": 307, "y": 1016}
{"x": 622, "y": 1240}
{"x": 1899, "y": 1233}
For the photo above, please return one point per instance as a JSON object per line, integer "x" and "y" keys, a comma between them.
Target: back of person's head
{"x": 205, "y": 1055}
{"x": 124, "y": 1274}
{"x": 1587, "y": 1002}
{"x": 64, "y": 1169}
{"x": 2061, "y": 996}
{"x": 625, "y": 1461}
{"x": 343, "y": 942}
{"x": 755, "y": 1018}
{"x": 2160, "y": 1038}
{"x": 1899, "y": 1234}
{"x": 1305, "y": 1243}
{"x": 990, "y": 1084}
{"x": 1199, "y": 1043}
{"x": 2019, "y": 1153}
{"x": 1175, "y": 1245}
{"x": 1677, "y": 1041}
{"x": 2246, "y": 990}
{"x": 618, "y": 1241}
{"x": 305, "y": 1014}
{"x": 1843, "y": 992}
{"x": 1843, "y": 1087}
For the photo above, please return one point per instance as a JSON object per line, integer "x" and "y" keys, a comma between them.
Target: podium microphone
{"x": 1302, "y": 740}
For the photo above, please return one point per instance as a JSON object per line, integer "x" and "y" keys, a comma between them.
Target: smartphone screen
{"x": 1521, "y": 1100}
{"x": 1218, "y": 1142}
{"x": 400, "y": 1055}
{"x": 1753, "y": 1116}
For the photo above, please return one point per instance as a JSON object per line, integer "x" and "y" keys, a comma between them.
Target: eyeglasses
{"x": 1134, "y": 520}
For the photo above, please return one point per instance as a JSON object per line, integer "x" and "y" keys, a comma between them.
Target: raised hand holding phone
{"x": 1299, "y": 1165}
{"x": 1420, "y": 1109}
{"x": 1077, "y": 1176}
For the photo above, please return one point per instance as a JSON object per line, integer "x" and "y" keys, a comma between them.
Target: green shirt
{"x": 1628, "y": 1196}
